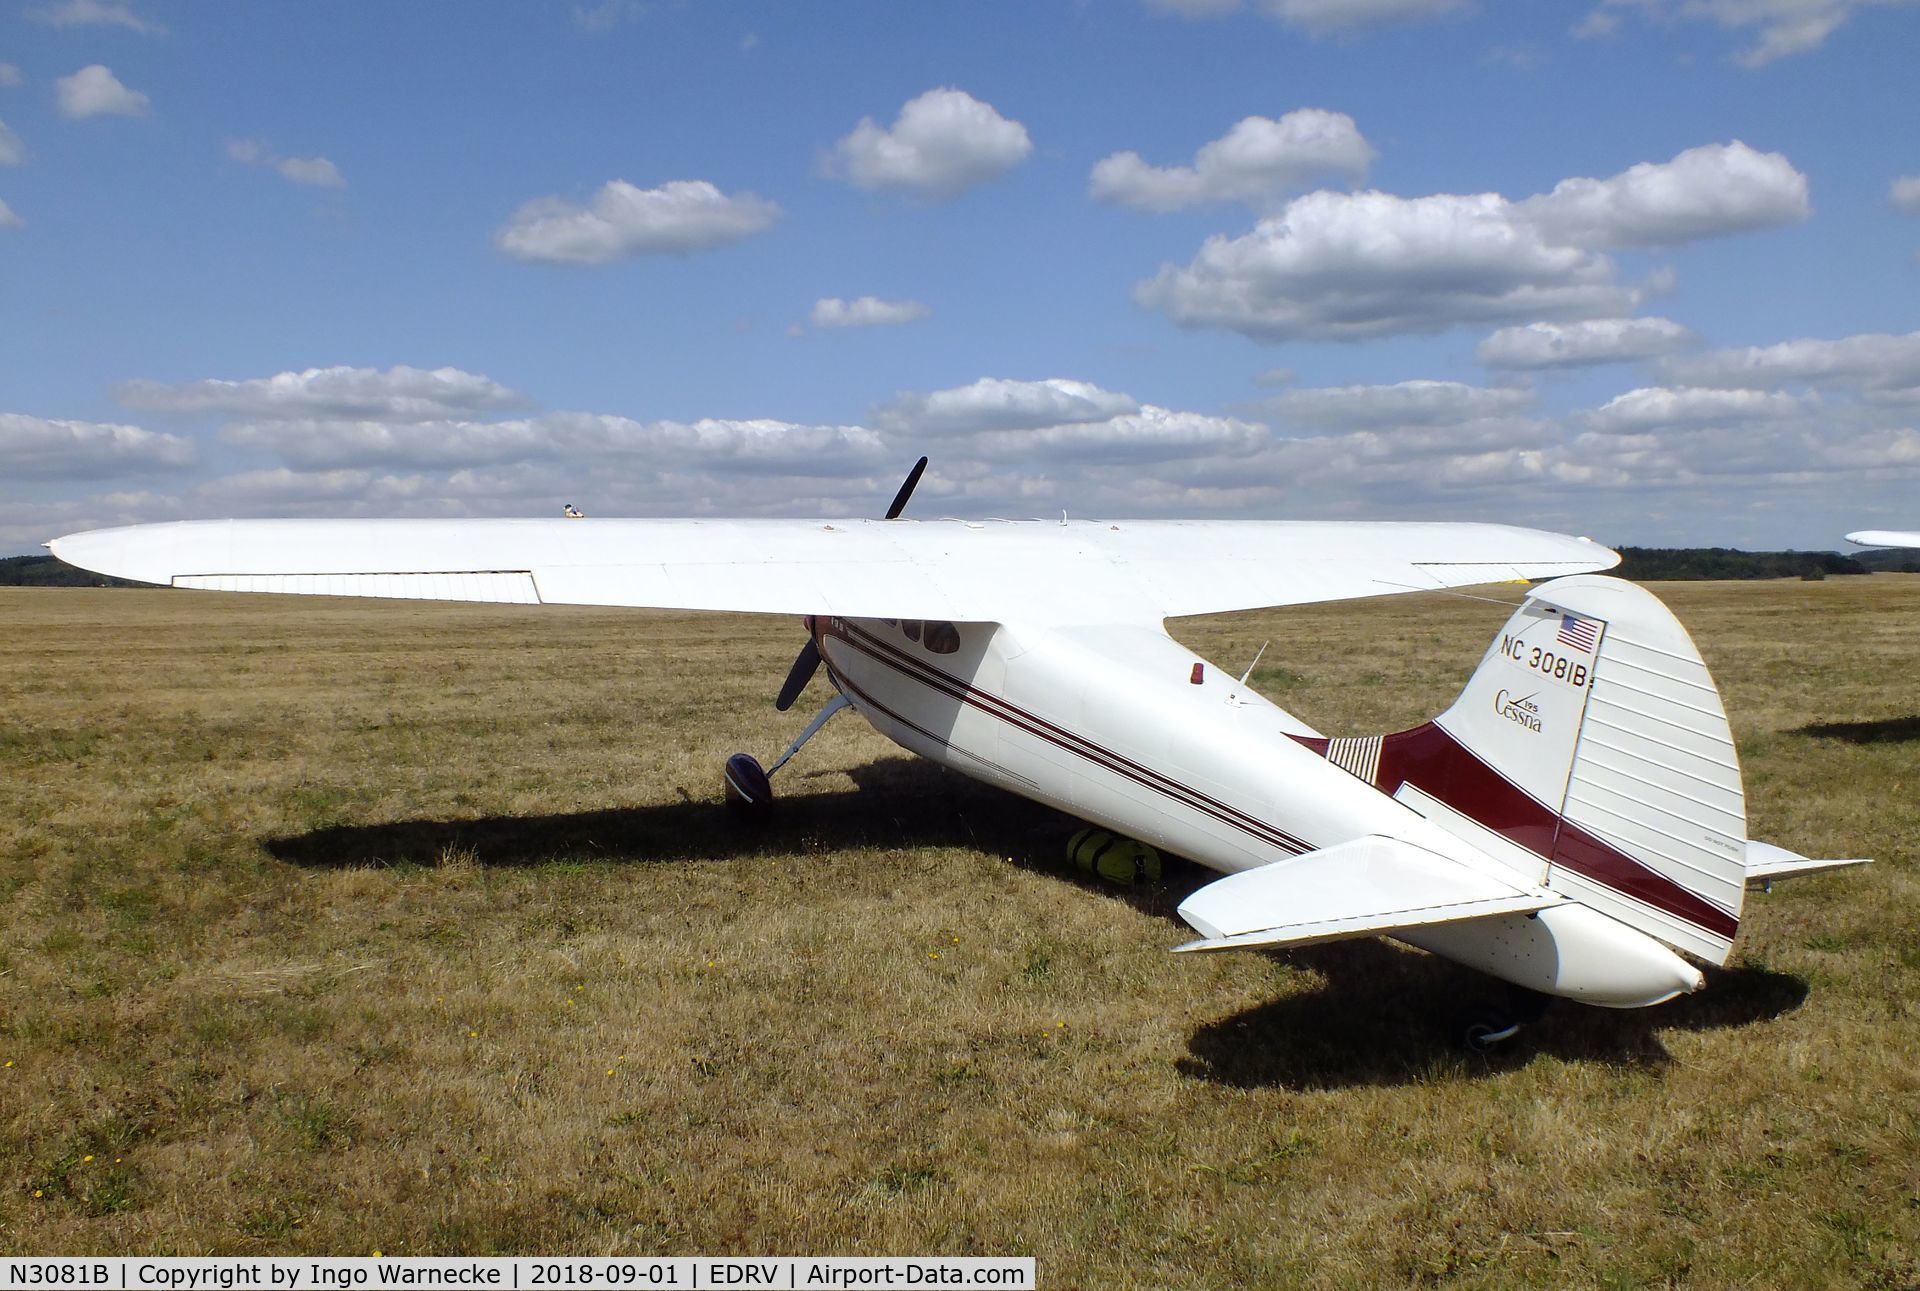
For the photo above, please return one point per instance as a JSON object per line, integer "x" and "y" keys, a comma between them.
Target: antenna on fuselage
{"x": 1256, "y": 661}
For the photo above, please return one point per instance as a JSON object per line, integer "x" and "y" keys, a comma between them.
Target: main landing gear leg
{"x": 1486, "y": 1027}
{"x": 749, "y": 788}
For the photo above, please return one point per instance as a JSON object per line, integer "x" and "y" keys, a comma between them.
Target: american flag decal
{"x": 1582, "y": 634}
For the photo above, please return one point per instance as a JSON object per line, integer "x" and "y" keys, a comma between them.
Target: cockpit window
{"x": 942, "y": 638}
{"x": 912, "y": 628}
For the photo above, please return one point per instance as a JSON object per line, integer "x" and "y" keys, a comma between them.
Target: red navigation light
{"x": 1199, "y": 674}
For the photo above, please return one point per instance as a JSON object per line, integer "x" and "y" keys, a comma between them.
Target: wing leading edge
{"x": 966, "y": 571}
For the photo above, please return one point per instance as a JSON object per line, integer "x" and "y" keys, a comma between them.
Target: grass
{"x": 336, "y": 925}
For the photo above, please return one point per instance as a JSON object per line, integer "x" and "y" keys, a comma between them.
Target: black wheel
{"x": 749, "y": 792}
{"x": 1484, "y": 1029}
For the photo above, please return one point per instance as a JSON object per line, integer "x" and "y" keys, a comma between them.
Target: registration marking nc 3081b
{"x": 1545, "y": 662}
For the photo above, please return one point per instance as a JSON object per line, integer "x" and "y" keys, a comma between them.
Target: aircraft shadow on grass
{"x": 899, "y": 802}
{"x": 1887, "y": 730}
{"x": 1378, "y": 1018}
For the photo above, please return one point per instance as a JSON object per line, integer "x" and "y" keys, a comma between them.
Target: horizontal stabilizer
{"x": 1370, "y": 885}
{"x": 1765, "y": 863}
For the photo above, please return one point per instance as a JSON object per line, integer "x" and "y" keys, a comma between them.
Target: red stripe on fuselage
{"x": 994, "y": 706}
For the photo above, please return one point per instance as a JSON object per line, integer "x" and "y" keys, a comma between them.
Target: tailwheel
{"x": 1484, "y": 1028}
{"x": 749, "y": 792}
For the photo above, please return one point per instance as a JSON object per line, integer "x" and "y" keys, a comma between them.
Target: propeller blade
{"x": 807, "y": 662}
{"x": 804, "y": 665}
{"x": 906, "y": 490}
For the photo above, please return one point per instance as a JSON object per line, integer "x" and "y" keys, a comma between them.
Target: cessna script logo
{"x": 1518, "y": 709}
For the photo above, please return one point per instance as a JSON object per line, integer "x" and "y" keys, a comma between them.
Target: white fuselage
{"x": 1109, "y": 725}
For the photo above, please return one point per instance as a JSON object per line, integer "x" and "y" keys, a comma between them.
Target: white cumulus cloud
{"x": 622, "y": 221}
{"x": 1581, "y": 344}
{"x": 1151, "y": 434}
{"x": 314, "y": 172}
{"x": 942, "y": 143}
{"x": 12, "y": 151}
{"x": 772, "y": 446}
{"x": 38, "y": 448}
{"x": 999, "y": 421}
{"x": 1404, "y": 403}
{"x": 867, "y": 311}
{"x": 1710, "y": 191}
{"x": 94, "y": 91}
{"x": 1778, "y": 28}
{"x": 1256, "y": 160}
{"x": 1329, "y": 17}
{"x": 397, "y": 394}
{"x": 92, "y": 13}
{"x": 317, "y": 444}
{"x": 1321, "y": 17}
{"x": 766, "y": 445}
{"x": 8, "y": 220}
{"x": 280, "y": 489}
{"x": 1868, "y": 362}
{"x": 9, "y": 74}
{"x": 1905, "y": 194}
{"x": 1654, "y": 408}
{"x": 996, "y": 403}
{"x": 1346, "y": 266}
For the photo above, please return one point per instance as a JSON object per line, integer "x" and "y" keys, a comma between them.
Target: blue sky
{"x": 1641, "y": 269}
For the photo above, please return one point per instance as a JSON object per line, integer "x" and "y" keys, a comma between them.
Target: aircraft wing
{"x": 1884, "y": 538}
{"x": 965, "y": 571}
{"x": 1371, "y": 885}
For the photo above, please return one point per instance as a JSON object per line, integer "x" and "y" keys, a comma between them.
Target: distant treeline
{"x": 1891, "y": 561}
{"x": 1642, "y": 564}
{"x": 51, "y": 571}
{"x": 1661, "y": 564}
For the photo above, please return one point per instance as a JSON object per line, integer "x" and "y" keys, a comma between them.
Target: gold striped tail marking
{"x": 1356, "y": 755}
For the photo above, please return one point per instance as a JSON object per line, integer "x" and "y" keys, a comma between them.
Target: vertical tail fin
{"x": 1591, "y": 744}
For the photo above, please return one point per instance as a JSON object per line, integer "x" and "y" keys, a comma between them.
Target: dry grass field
{"x": 333, "y": 926}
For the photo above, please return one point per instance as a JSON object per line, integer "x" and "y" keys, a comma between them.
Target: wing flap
{"x": 492, "y": 586}
{"x": 1370, "y": 885}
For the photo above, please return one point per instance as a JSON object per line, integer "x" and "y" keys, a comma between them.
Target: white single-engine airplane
{"x": 1568, "y": 825}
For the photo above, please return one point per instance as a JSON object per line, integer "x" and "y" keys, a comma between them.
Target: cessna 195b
{"x": 1568, "y": 825}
